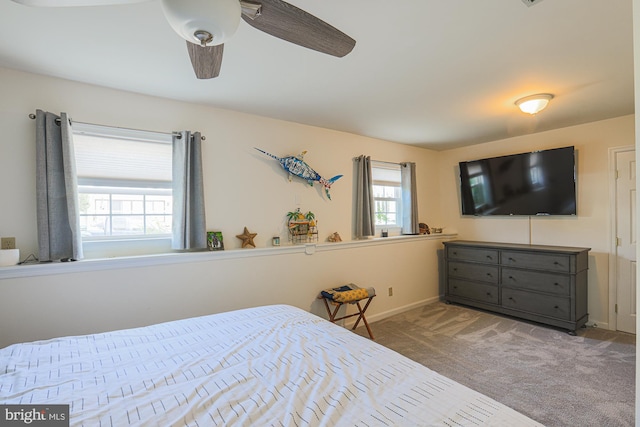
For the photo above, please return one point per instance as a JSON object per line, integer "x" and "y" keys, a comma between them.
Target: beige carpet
{"x": 548, "y": 375}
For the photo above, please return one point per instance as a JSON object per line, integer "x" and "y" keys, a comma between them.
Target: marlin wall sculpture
{"x": 296, "y": 166}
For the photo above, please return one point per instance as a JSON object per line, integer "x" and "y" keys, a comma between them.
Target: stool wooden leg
{"x": 335, "y": 312}
{"x": 364, "y": 319}
{"x": 360, "y": 314}
{"x": 332, "y": 315}
{"x": 355, "y": 325}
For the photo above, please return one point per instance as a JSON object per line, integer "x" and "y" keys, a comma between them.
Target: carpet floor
{"x": 550, "y": 376}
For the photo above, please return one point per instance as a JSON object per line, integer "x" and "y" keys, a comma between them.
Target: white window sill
{"x": 43, "y": 269}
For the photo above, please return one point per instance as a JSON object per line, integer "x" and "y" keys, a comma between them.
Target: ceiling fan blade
{"x": 287, "y": 22}
{"x": 65, "y": 3}
{"x": 206, "y": 60}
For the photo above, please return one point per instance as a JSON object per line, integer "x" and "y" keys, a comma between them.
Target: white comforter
{"x": 272, "y": 365}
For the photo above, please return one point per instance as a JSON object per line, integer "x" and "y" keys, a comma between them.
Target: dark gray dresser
{"x": 545, "y": 284}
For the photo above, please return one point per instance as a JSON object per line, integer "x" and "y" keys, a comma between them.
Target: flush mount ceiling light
{"x": 535, "y": 103}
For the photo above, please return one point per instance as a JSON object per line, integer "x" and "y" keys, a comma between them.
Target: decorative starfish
{"x": 247, "y": 238}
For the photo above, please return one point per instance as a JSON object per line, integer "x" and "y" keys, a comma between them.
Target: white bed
{"x": 273, "y": 365}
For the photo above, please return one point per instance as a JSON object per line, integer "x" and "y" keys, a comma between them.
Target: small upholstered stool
{"x": 348, "y": 294}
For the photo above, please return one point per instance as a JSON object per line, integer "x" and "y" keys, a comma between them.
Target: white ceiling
{"x": 435, "y": 73}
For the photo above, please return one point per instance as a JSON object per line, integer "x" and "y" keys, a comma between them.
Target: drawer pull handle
{"x": 455, "y": 253}
{"x": 489, "y": 256}
{"x": 511, "y": 277}
{"x": 556, "y": 263}
{"x": 488, "y": 294}
{"x": 489, "y": 274}
{"x": 511, "y": 298}
{"x": 455, "y": 269}
{"x": 556, "y": 307}
{"x": 556, "y": 284}
{"x": 511, "y": 259}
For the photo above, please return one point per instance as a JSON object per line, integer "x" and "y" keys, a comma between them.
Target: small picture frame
{"x": 214, "y": 241}
{"x": 275, "y": 240}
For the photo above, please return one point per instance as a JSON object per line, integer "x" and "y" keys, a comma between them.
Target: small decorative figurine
{"x": 335, "y": 237}
{"x": 247, "y": 238}
{"x": 298, "y": 167}
{"x": 424, "y": 228}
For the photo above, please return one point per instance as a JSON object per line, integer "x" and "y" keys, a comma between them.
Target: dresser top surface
{"x": 515, "y": 246}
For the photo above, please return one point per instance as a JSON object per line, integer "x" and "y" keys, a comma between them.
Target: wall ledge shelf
{"x": 45, "y": 269}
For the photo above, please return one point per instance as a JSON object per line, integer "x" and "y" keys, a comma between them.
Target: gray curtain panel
{"x": 58, "y": 218}
{"x": 189, "y": 227}
{"x": 410, "y": 223}
{"x": 364, "y": 221}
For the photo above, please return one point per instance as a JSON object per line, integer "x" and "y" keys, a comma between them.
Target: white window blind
{"x": 385, "y": 172}
{"x": 122, "y": 157}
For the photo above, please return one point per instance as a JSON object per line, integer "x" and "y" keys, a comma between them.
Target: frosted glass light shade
{"x": 535, "y": 103}
{"x": 220, "y": 18}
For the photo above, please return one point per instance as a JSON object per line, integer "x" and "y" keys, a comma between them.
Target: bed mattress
{"x": 273, "y": 365}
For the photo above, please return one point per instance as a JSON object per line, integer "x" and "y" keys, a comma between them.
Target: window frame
{"x": 397, "y": 185}
{"x": 122, "y": 186}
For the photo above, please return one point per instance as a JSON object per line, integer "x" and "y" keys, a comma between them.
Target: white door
{"x": 626, "y": 241}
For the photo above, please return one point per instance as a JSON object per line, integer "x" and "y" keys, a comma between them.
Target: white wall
{"x": 245, "y": 189}
{"x": 590, "y": 228}
{"x": 242, "y": 188}
{"x": 107, "y": 298}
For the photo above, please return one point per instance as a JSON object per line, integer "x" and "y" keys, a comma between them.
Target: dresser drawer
{"x": 478, "y": 272}
{"x": 551, "y": 262}
{"x": 472, "y": 254}
{"x": 553, "y": 283}
{"x": 472, "y": 290}
{"x": 545, "y": 305}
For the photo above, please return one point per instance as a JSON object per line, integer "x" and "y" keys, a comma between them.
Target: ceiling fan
{"x": 207, "y": 24}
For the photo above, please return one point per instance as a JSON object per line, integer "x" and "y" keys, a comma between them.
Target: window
{"x": 387, "y": 194}
{"x": 124, "y": 182}
{"x": 479, "y": 186}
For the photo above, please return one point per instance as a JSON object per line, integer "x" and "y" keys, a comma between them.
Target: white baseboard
{"x": 597, "y": 324}
{"x": 379, "y": 316}
{"x": 348, "y": 323}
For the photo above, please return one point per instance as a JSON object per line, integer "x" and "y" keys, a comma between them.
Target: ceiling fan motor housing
{"x": 220, "y": 18}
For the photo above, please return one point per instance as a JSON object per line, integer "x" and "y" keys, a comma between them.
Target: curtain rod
{"x": 33, "y": 117}
{"x": 179, "y": 136}
{"x": 381, "y": 161}
{"x": 388, "y": 163}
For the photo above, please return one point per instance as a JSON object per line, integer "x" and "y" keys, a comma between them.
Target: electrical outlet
{"x": 8, "y": 243}
{"x": 390, "y": 292}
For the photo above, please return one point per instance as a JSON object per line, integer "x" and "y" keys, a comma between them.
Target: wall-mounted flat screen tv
{"x": 536, "y": 183}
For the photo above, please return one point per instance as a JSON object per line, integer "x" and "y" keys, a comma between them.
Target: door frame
{"x": 613, "y": 249}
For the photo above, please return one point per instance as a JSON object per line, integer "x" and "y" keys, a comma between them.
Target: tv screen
{"x": 537, "y": 183}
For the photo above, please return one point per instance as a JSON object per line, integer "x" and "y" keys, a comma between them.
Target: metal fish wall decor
{"x": 296, "y": 166}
